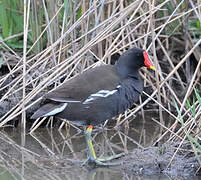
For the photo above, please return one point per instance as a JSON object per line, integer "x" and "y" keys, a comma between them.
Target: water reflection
{"x": 52, "y": 154}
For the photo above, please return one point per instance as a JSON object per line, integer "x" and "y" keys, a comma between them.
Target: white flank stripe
{"x": 97, "y": 95}
{"x": 101, "y": 93}
{"x": 73, "y": 101}
{"x": 110, "y": 93}
{"x": 57, "y": 110}
{"x": 88, "y": 100}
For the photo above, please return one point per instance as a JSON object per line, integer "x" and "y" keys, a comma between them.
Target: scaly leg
{"x": 92, "y": 155}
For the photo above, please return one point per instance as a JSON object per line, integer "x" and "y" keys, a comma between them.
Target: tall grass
{"x": 66, "y": 38}
{"x": 190, "y": 125}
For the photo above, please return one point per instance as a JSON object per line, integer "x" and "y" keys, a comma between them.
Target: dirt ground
{"x": 149, "y": 161}
{"x": 155, "y": 160}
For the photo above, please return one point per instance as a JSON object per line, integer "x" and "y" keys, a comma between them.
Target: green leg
{"x": 92, "y": 155}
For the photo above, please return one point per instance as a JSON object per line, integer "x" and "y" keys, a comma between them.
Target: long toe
{"x": 109, "y": 158}
{"x": 102, "y": 161}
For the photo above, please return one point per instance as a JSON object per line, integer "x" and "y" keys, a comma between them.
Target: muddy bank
{"x": 155, "y": 160}
{"x": 147, "y": 162}
{"x": 51, "y": 153}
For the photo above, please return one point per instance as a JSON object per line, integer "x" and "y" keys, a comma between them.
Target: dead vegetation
{"x": 73, "y": 36}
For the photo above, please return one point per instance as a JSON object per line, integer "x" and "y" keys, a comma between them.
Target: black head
{"x": 131, "y": 61}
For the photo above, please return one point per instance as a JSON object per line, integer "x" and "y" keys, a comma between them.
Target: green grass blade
{"x": 191, "y": 107}
{"x": 197, "y": 96}
{"x": 179, "y": 113}
{"x": 66, "y": 6}
{"x": 4, "y": 21}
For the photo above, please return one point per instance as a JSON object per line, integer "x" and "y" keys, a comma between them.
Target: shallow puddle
{"x": 52, "y": 154}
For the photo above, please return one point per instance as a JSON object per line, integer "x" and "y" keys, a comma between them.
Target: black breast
{"x": 129, "y": 93}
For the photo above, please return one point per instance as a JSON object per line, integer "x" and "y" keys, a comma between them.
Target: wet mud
{"x": 147, "y": 162}
{"x": 52, "y": 154}
{"x": 157, "y": 160}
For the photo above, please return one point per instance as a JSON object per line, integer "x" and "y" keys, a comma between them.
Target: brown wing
{"x": 91, "y": 81}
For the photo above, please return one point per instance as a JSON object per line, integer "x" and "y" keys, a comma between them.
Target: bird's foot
{"x": 101, "y": 161}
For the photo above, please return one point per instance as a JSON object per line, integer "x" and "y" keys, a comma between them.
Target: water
{"x": 53, "y": 154}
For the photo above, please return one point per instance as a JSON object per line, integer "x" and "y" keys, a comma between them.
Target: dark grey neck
{"x": 125, "y": 72}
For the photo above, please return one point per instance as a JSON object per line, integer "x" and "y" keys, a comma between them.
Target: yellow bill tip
{"x": 90, "y": 128}
{"x": 152, "y": 67}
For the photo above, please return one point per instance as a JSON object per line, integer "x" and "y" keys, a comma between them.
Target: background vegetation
{"x": 43, "y": 43}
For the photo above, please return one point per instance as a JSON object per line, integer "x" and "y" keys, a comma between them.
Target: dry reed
{"x": 88, "y": 34}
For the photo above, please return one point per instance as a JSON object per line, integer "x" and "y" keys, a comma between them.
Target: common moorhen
{"x": 98, "y": 94}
